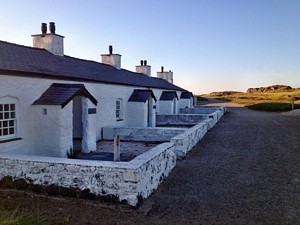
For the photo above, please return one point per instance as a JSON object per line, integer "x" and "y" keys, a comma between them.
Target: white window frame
{"x": 119, "y": 109}
{"x": 8, "y": 118}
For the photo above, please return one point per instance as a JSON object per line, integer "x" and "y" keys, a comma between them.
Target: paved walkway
{"x": 246, "y": 170}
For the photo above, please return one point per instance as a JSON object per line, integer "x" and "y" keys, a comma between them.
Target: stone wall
{"x": 129, "y": 181}
{"x": 186, "y": 141}
{"x": 203, "y": 110}
{"x": 149, "y": 134}
{"x": 180, "y": 119}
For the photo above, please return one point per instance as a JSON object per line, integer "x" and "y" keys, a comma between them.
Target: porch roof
{"x": 62, "y": 94}
{"x": 141, "y": 95}
{"x": 168, "y": 95}
{"x": 186, "y": 95}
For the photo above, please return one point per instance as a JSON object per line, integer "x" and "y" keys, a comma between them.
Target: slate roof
{"x": 140, "y": 95}
{"x": 34, "y": 62}
{"x": 186, "y": 95}
{"x": 62, "y": 94}
{"x": 168, "y": 95}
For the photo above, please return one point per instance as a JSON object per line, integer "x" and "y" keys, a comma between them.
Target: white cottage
{"x": 51, "y": 103}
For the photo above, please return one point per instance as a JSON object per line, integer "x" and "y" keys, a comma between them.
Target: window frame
{"x": 9, "y": 118}
{"x": 119, "y": 109}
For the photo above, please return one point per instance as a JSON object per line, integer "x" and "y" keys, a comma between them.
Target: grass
{"x": 273, "y": 106}
{"x": 18, "y": 218}
{"x": 265, "y": 101}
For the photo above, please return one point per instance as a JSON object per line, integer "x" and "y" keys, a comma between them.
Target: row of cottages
{"x": 48, "y": 100}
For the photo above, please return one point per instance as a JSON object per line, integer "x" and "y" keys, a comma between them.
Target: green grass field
{"x": 264, "y": 101}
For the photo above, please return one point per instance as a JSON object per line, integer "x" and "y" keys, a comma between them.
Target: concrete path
{"x": 246, "y": 170}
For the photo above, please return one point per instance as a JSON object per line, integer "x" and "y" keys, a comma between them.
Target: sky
{"x": 210, "y": 45}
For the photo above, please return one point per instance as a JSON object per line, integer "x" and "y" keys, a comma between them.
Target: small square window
{"x": 119, "y": 109}
{"x": 5, "y": 131}
{"x": 1, "y": 116}
{"x": 5, "y": 123}
{"x": 1, "y": 108}
{"x": 12, "y": 115}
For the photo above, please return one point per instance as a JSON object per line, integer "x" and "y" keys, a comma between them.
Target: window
{"x": 119, "y": 110}
{"x": 8, "y": 121}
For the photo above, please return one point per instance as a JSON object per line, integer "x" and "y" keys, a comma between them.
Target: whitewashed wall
{"x": 138, "y": 114}
{"x": 26, "y": 91}
{"x": 125, "y": 180}
{"x": 106, "y": 95}
{"x": 165, "y": 107}
{"x": 52, "y": 132}
{"x": 185, "y": 103}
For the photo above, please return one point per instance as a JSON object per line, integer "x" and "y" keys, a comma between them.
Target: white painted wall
{"x": 113, "y": 60}
{"x": 89, "y": 127}
{"x": 52, "y": 42}
{"x": 138, "y": 112}
{"x": 27, "y": 90}
{"x": 185, "y": 103}
{"x": 52, "y": 133}
{"x": 125, "y": 180}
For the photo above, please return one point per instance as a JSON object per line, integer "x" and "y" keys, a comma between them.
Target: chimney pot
{"x": 52, "y": 27}
{"x": 44, "y": 28}
{"x": 110, "y": 49}
{"x": 142, "y": 62}
{"x": 145, "y": 62}
{"x": 162, "y": 69}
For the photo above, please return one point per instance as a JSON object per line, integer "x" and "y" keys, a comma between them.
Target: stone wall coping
{"x": 150, "y": 128}
{"x": 136, "y": 163}
{"x": 150, "y": 154}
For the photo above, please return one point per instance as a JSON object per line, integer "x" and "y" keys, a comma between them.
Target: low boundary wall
{"x": 127, "y": 181}
{"x": 147, "y": 134}
{"x": 203, "y": 110}
{"x": 186, "y": 141}
{"x": 181, "y": 119}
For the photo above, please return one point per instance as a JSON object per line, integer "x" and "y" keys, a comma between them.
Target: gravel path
{"x": 246, "y": 170}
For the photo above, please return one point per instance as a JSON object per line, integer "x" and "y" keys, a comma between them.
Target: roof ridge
{"x": 24, "y": 46}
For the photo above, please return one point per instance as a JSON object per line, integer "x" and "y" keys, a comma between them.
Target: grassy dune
{"x": 276, "y": 100}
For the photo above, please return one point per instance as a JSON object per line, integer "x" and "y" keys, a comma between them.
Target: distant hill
{"x": 272, "y": 88}
{"x": 225, "y": 93}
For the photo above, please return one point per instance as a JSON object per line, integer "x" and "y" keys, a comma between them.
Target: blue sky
{"x": 210, "y": 45}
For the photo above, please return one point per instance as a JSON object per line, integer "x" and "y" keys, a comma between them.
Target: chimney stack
{"x": 168, "y": 76}
{"x": 143, "y": 68}
{"x": 111, "y": 59}
{"x": 52, "y": 42}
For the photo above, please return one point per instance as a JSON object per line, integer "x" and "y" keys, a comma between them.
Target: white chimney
{"x": 168, "y": 76}
{"x": 143, "y": 68}
{"x": 52, "y": 42}
{"x": 111, "y": 59}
